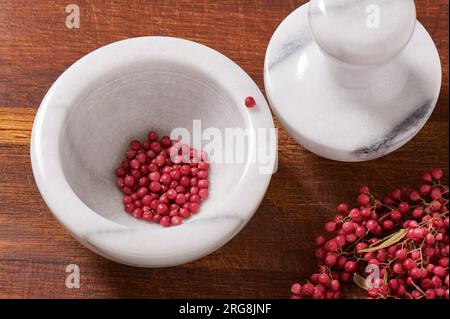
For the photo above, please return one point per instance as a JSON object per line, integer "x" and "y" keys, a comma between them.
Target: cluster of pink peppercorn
{"x": 405, "y": 236}
{"x": 160, "y": 182}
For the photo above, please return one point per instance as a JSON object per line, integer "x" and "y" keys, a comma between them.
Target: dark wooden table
{"x": 274, "y": 249}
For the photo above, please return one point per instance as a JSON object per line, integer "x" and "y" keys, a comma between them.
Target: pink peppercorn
{"x": 142, "y": 192}
{"x": 171, "y": 194}
{"x": 154, "y": 203}
{"x": 155, "y": 187}
{"x": 185, "y": 170}
{"x": 194, "y": 181}
{"x": 180, "y": 199}
{"x": 130, "y": 154}
{"x": 150, "y": 154}
{"x": 184, "y": 213}
{"x": 166, "y": 169}
{"x": 152, "y": 136}
{"x": 129, "y": 181}
{"x": 125, "y": 164}
{"x": 173, "y": 213}
{"x": 120, "y": 172}
{"x": 155, "y": 176}
{"x": 202, "y": 174}
{"x": 119, "y": 182}
{"x": 176, "y": 220}
{"x": 144, "y": 181}
{"x": 203, "y": 183}
{"x": 164, "y": 199}
{"x": 146, "y": 145}
{"x": 175, "y": 174}
{"x": 194, "y": 198}
{"x": 156, "y": 147}
{"x": 250, "y": 102}
{"x": 194, "y": 207}
{"x": 350, "y": 266}
{"x": 134, "y": 196}
{"x": 180, "y": 189}
{"x": 137, "y": 212}
{"x": 194, "y": 171}
{"x": 185, "y": 181}
{"x": 129, "y": 208}
{"x": 147, "y": 200}
{"x": 141, "y": 158}
{"x": 135, "y": 145}
{"x": 437, "y": 173}
{"x": 165, "y": 221}
{"x": 160, "y": 160}
{"x": 165, "y": 141}
{"x": 135, "y": 164}
{"x": 148, "y": 216}
{"x": 136, "y": 174}
{"x": 127, "y": 190}
{"x": 127, "y": 199}
{"x": 157, "y": 218}
{"x": 165, "y": 179}
{"x": 144, "y": 170}
{"x": 162, "y": 209}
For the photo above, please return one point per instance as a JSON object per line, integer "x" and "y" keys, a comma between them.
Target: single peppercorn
{"x": 250, "y": 102}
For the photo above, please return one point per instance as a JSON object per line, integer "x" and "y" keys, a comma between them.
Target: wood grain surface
{"x": 275, "y": 248}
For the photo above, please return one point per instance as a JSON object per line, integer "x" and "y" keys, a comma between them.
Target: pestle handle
{"x": 362, "y": 32}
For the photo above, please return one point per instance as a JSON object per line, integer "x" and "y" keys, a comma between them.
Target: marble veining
{"x": 391, "y": 140}
{"x": 290, "y": 48}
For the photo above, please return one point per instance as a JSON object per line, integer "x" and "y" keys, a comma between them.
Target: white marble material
{"x": 362, "y": 32}
{"x": 346, "y": 100}
{"x": 120, "y": 92}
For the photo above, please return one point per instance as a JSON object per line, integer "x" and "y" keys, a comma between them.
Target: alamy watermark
{"x": 226, "y": 146}
{"x": 373, "y": 276}
{"x": 73, "y": 19}
{"x": 373, "y": 19}
{"x": 73, "y": 279}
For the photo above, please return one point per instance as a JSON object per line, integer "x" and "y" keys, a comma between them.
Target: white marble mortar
{"x": 120, "y": 92}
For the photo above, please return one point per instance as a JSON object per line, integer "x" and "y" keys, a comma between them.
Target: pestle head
{"x": 362, "y": 32}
